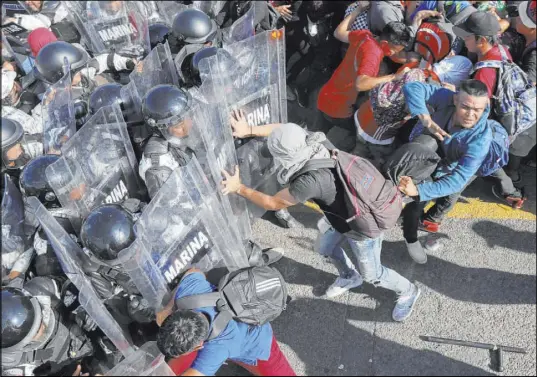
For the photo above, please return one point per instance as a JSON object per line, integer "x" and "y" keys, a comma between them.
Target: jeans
{"x": 367, "y": 252}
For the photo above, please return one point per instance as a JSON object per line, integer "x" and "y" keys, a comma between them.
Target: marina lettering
{"x": 259, "y": 116}
{"x": 186, "y": 256}
{"x": 118, "y": 194}
{"x": 116, "y": 32}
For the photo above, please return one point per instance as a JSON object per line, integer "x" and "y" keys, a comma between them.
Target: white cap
{"x": 453, "y": 70}
{"x": 8, "y": 80}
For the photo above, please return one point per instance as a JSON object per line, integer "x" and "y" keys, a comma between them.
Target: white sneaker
{"x": 416, "y": 252}
{"x": 405, "y": 304}
{"x": 342, "y": 285}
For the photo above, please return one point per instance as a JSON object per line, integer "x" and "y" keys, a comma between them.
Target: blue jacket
{"x": 464, "y": 151}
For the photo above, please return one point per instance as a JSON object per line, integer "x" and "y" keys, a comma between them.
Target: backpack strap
{"x": 316, "y": 164}
{"x": 223, "y": 317}
{"x": 487, "y": 64}
{"x": 503, "y": 53}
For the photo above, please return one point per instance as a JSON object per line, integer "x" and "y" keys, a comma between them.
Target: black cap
{"x": 478, "y": 23}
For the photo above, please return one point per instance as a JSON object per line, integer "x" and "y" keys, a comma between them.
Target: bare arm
{"x": 365, "y": 83}
{"x": 241, "y": 129}
{"x": 281, "y": 200}
{"x": 192, "y": 372}
{"x": 343, "y": 30}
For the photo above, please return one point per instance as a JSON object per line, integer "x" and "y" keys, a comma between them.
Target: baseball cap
{"x": 8, "y": 80}
{"x": 527, "y": 11}
{"x": 478, "y": 23}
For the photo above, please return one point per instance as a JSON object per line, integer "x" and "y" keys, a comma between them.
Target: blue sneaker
{"x": 405, "y": 304}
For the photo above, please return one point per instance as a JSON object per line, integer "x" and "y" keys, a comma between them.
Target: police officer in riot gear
{"x": 193, "y": 27}
{"x": 106, "y": 231}
{"x": 38, "y": 335}
{"x": 158, "y": 33}
{"x": 33, "y": 182}
{"x": 18, "y": 148}
{"x": 109, "y": 94}
{"x": 164, "y": 108}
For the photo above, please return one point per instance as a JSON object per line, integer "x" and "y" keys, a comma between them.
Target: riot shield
{"x": 106, "y": 26}
{"x": 168, "y": 10}
{"x": 72, "y": 257}
{"x": 15, "y": 46}
{"x": 97, "y": 166}
{"x": 211, "y": 8}
{"x": 12, "y": 217}
{"x": 157, "y": 68}
{"x": 241, "y": 29}
{"x": 146, "y": 361}
{"x": 59, "y": 123}
{"x": 250, "y": 76}
{"x": 182, "y": 226}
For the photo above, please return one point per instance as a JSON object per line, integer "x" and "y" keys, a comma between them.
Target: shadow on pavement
{"x": 479, "y": 285}
{"x": 311, "y": 331}
{"x": 500, "y": 235}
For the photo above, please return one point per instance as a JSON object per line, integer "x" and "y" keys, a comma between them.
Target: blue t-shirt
{"x": 238, "y": 341}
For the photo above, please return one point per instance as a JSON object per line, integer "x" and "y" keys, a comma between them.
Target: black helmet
{"x": 33, "y": 181}
{"x": 105, "y": 95}
{"x": 190, "y": 66}
{"x": 194, "y": 26}
{"x": 165, "y": 105}
{"x": 13, "y": 135}
{"x": 158, "y": 33}
{"x": 107, "y": 230}
{"x": 50, "y": 60}
{"x": 21, "y": 315}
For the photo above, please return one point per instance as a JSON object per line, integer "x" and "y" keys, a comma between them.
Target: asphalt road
{"x": 481, "y": 286}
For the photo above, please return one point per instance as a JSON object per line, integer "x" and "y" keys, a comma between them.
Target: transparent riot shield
{"x": 59, "y": 123}
{"x": 105, "y": 26}
{"x": 157, "y": 68}
{"x": 15, "y": 46}
{"x": 45, "y": 8}
{"x": 146, "y": 361}
{"x": 241, "y": 29}
{"x": 250, "y": 76}
{"x": 97, "y": 166}
{"x": 71, "y": 258}
{"x": 12, "y": 217}
{"x": 211, "y": 8}
{"x": 182, "y": 226}
{"x": 168, "y": 10}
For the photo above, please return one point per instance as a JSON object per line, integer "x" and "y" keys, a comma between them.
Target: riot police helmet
{"x": 105, "y": 95}
{"x": 193, "y": 26}
{"x": 190, "y": 65}
{"x": 49, "y": 62}
{"x": 158, "y": 33}
{"x": 33, "y": 180}
{"x": 14, "y": 155}
{"x": 21, "y": 317}
{"x": 164, "y": 106}
{"x": 107, "y": 230}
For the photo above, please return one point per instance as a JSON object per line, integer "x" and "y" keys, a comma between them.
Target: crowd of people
{"x": 141, "y": 139}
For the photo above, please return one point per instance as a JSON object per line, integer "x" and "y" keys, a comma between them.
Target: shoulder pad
{"x": 156, "y": 145}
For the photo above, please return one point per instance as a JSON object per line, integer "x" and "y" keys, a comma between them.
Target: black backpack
{"x": 253, "y": 295}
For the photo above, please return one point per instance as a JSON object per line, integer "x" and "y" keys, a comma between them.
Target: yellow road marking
{"x": 473, "y": 209}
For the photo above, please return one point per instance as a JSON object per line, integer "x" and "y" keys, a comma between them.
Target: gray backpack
{"x": 373, "y": 202}
{"x": 254, "y": 295}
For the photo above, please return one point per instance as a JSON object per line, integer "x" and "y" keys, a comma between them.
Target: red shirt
{"x": 489, "y": 76}
{"x": 362, "y": 58}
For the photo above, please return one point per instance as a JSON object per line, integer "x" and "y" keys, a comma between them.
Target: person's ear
{"x": 198, "y": 347}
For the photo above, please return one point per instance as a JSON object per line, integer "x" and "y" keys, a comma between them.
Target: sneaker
{"x": 273, "y": 255}
{"x": 286, "y": 220}
{"x": 291, "y": 96}
{"x": 342, "y": 285}
{"x": 429, "y": 226}
{"x": 303, "y": 98}
{"x": 405, "y": 304}
{"x": 515, "y": 200}
{"x": 416, "y": 252}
